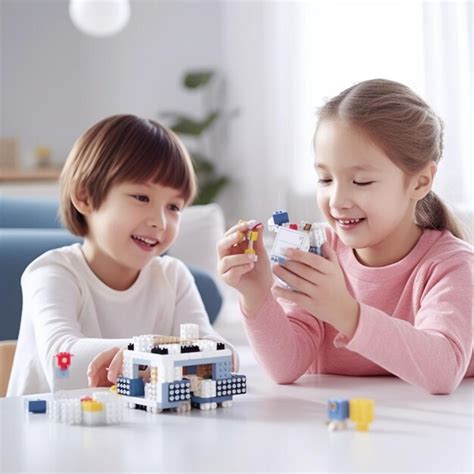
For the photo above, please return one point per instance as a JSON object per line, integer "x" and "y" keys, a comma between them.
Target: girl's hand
{"x": 249, "y": 274}
{"x": 320, "y": 288}
{"x": 105, "y": 367}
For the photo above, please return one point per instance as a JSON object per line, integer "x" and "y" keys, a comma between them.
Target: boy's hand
{"x": 320, "y": 288}
{"x": 105, "y": 367}
{"x": 251, "y": 276}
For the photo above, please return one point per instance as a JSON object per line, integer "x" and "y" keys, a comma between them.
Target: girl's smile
{"x": 363, "y": 195}
{"x": 348, "y": 223}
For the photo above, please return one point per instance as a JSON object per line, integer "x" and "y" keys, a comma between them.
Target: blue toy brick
{"x": 62, "y": 374}
{"x": 178, "y": 391}
{"x": 338, "y": 410}
{"x": 234, "y": 385}
{"x": 222, "y": 369}
{"x": 207, "y": 360}
{"x": 130, "y": 387}
{"x": 278, "y": 259}
{"x": 280, "y": 217}
{"x": 191, "y": 369}
{"x": 37, "y": 406}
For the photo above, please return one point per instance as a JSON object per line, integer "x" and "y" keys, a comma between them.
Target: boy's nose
{"x": 157, "y": 221}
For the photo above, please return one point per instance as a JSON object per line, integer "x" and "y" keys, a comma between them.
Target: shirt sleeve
{"x": 285, "y": 338}
{"x": 190, "y": 309}
{"x": 434, "y": 352}
{"x": 52, "y": 299}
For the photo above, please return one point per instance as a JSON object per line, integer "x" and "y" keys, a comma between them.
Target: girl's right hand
{"x": 250, "y": 276}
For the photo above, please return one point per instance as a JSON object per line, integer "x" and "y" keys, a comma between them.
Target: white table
{"x": 272, "y": 428}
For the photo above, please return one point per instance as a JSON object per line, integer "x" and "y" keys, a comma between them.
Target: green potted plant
{"x": 211, "y": 183}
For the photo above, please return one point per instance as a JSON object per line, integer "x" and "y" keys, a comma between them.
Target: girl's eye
{"x": 141, "y": 197}
{"x": 365, "y": 183}
{"x": 324, "y": 181}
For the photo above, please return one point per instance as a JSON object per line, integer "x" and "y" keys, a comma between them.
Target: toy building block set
{"x": 159, "y": 373}
{"x": 183, "y": 372}
{"x": 358, "y": 410}
{"x": 304, "y": 236}
{"x": 102, "y": 408}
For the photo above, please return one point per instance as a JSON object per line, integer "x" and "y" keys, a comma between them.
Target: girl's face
{"x": 135, "y": 223}
{"x": 361, "y": 193}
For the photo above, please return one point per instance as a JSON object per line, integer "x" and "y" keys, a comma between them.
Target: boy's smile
{"x": 135, "y": 223}
{"x": 145, "y": 243}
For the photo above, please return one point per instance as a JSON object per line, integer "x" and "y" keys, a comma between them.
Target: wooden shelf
{"x": 16, "y": 176}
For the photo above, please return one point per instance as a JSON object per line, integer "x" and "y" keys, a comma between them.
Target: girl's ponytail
{"x": 432, "y": 213}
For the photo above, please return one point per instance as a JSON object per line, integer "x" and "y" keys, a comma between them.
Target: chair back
{"x": 7, "y": 352}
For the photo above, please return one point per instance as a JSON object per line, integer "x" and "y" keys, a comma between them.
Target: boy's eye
{"x": 324, "y": 181}
{"x": 363, "y": 183}
{"x": 141, "y": 197}
{"x": 175, "y": 208}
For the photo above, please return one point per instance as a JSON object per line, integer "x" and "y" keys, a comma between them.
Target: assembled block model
{"x": 358, "y": 410}
{"x": 161, "y": 373}
{"x": 304, "y": 236}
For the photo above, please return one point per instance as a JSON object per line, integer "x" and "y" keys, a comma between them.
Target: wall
{"x": 55, "y": 81}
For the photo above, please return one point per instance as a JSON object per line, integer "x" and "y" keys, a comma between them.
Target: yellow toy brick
{"x": 92, "y": 405}
{"x": 361, "y": 412}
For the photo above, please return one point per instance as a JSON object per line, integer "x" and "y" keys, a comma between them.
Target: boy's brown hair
{"x": 118, "y": 149}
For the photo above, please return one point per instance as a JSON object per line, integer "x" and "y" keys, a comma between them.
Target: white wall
{"x": 55, "y": 81}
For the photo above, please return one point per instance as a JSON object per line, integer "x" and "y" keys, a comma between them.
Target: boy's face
{"x": 135, "y": 223}
{"x": 358, "y": 182}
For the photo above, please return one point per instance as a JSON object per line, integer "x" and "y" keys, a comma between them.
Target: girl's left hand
{"x": 320, "y": 288}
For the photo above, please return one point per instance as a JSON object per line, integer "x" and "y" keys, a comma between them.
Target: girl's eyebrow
{"x": 351, "y": 168}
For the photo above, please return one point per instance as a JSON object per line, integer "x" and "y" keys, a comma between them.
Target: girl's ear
{"x": 81, "y": 201}
{"x": 424, "y": 181}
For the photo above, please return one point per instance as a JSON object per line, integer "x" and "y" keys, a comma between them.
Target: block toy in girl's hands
{"x": 305, "y": 236}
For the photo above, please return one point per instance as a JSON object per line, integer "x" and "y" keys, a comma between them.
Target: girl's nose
{"x": 340, "y": 199}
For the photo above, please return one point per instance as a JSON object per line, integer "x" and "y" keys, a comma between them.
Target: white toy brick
{"x": 189, "y": 332}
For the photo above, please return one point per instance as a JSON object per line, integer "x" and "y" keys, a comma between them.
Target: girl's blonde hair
{"x": 408, "y": 131}
{"x": 118, "y": 149}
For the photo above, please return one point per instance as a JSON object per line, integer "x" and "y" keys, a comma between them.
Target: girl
{"x": 123, "y": 188}
{"x": 394, "y": 293}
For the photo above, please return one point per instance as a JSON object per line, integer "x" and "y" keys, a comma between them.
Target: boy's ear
{"x": 81, "y": 201}
{"x": 424, "y": 181}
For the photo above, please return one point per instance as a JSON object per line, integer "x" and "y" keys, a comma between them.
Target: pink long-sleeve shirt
{"x": 415, "y": 321}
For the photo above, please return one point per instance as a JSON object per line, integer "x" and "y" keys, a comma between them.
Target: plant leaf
{"x": 189, "y": 126}
{"x": 196, "y": 79}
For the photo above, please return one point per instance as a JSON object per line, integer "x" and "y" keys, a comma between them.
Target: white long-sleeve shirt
{"x": 66, "y": 308}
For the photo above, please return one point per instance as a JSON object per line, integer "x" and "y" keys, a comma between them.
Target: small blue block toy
{"x": 37, "y": 406}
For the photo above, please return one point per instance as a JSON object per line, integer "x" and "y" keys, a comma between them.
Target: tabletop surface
{"x": 271, "y": 428}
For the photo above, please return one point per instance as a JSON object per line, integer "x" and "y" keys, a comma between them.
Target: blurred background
{"x": 239, "y": 80}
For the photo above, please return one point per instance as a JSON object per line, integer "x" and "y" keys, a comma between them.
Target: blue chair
{"x": 30, "y": 227}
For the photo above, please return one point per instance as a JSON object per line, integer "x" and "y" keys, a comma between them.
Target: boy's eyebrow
{"x": 179, "y": 193}
{"x": 351, "y": 168}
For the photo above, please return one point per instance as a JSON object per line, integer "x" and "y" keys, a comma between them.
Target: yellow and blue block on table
{"x": 359, "y": 410}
